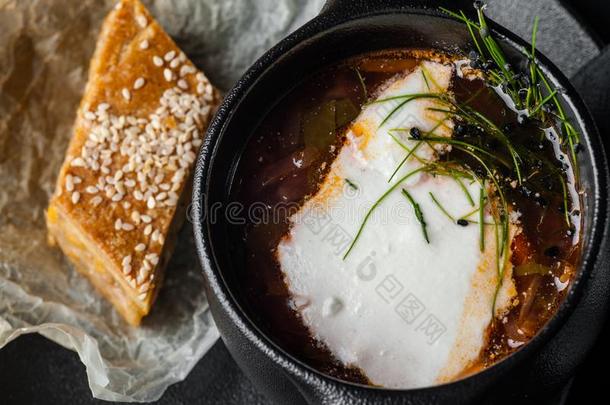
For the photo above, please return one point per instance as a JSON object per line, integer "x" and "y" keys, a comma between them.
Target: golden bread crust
{"x": 138, "y": 128}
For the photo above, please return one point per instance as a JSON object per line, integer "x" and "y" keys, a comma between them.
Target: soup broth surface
{"x": 290, "y": 153}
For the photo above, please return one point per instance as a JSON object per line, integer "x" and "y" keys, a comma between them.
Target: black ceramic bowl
{"x": 343, "y": 29}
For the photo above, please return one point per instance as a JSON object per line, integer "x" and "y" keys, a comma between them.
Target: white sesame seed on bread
{"x": 118, "y": 200}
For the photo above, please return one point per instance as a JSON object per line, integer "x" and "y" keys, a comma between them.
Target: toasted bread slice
{"x": 139, "y": 126}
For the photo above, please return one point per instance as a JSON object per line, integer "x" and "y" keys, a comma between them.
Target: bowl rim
{"x": 326, "y": 22}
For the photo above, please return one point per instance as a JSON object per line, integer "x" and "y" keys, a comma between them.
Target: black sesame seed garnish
{"x": 522, "y": 119}
{"x": 540, "y": 200}
{"x": 492, "y": 144}
{"x": 552, "y": 251}
{"x": 462, "y": 222}
{"x": 415, "y": 133}
{"x": 460, "y": 130}
{"x": 479, "y": 171}
{"x": 525, "y": 80}
{"x": 549, "y": 108}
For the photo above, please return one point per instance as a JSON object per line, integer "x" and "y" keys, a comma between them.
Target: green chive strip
{"x": 482, "y": 216}
{"x": 543, "y": 102}
{"x": 474, "y": 117}
{"x": 434, "y": 82}
{"x": 533, "y": 100}
{"x": 361, "y": 79}
{"x": 376, "y": 204}
{"x": 471, "y": 213}
{"x": 418, "y": 214}
{"x": 570, "y": 131}
{"x": 351, "y": 184}
{"x": 474, "y": 38}
{"x": 411, "y": 96}
{"x": 440, "y": 207}
{"x": 403, "y": 103}
{"x": 451, "y": 141}
{"x": 410, "y": 151}
{"x": 465, "y": 190}
{"x": 403, "y": 161}
{"x": 423, "y": 73}
{"x": 565, "y": 201}
{"x": 533, "y": 90}
{"x": 503, "y": 218}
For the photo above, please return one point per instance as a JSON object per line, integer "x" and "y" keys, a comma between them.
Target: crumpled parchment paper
{"x": 45, "y": 47}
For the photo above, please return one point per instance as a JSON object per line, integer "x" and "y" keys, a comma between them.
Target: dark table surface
{"x": 34, "y": 370}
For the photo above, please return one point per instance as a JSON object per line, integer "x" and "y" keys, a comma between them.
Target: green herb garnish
{"x": 405, "y": 100}
{"x": 565, "y": 201}
{"x": 469, "y": 146}
{"x": 532, "y": 94}
{"x": 404, "y": 160}
{"x": 411, "y": 151}
{"x": 501, "y": 74}
{"x": 361, "y": 79}
{"x": 376, "y": 204}
{"x": 503, "y": 215}
{"x": 464, "y": 189}
{"x": 351, "y": 184}
{"x": 418, "y": 214}
{"x": 464, "y": 113}
{"x": 482, "y": 216}
{"x": 423, "y": 73}
{"x": 475, "y": 118}
{"x": 440, "y": 207}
